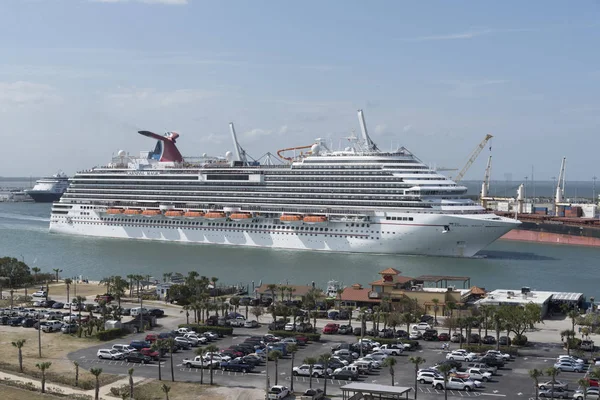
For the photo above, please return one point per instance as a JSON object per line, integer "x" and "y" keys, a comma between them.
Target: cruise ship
{"x": 357, "y": 199}
{"x": 49, "y": 189}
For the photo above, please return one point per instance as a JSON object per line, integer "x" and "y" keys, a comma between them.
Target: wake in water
{"x": 22, "y": 217}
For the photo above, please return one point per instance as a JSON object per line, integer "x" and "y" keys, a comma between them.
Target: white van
{"x": 135, "y": 311}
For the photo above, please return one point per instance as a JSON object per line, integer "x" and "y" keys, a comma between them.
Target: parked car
{"x": 461, "y": 355}
{"x": 401, "y": 334}
{"x": 251, "y": 324}
{"x": 345, "y": 329}
{"x": 28, "y": 323}
{"x": 312, "y": 394}
{"x": 305, "y": 370}
{"x": 555, "y": 393}
{"x": 566, "y": 366}
{"x": 137, "y": 357}
{"x": 504, "y": 341}
{"x": 443, "y": 337}
{"x": 156, "y": 312}
{"x": 427, "y": 376}
{"x": 357, "y": 331}
{"x": 430, "y": 335}
{"x": 415, "y": 335}
{"x": 40, "y": 293}
{"x": 69, "y": 328}
{"x": 345, "y": 375}
{"x": 557, "y": 385}
{"x": 488, "y": 340}
{"x": 153, "y": 354}
{"x": 592, "y": 392}
{"x": 421, "y": 326}
{"x": 109, "y": 354}
{"x": 58, "y": 305}
{"x": 453, "y": 384}
{"x": 278, "y": 392}
{"x": 238, "y": 366}
{"x": 52, "y": 326}
{"x": 330, "y": 328}
{"x": 123, "y": 348}
{"x": 457, "y": 338}
{"x": 139, "y": 344}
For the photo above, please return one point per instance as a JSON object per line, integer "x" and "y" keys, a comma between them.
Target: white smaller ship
{"x": 49, "y": 189}
{"x": 332, "y": 289}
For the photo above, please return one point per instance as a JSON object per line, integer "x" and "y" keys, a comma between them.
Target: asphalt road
{"x": 512, "y": 382}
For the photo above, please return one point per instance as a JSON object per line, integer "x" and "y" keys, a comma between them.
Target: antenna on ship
{"x": 239, "y": 151}
{"x": 363, "y": 127}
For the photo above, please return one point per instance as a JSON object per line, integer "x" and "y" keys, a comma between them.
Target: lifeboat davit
{"x": 132, "y": 212}
{"x": 290, "y": 218}
{"x": 215, "y": 215}
{"x": 151, "y": 213}
{"x": 173, "y": 213}
{"x": 240, "y": 216}
{"x": 114, "y": 211}
{"x": 193, "y": 214}
{"x": 315, "y": 219}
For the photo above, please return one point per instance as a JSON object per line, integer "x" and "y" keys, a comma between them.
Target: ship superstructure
{"x": 359, "y": 199}
{"x": 49, "y": 189}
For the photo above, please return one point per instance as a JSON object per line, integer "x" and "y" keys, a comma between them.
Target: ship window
{"x": 410, "y": 218}
{"x": 387, "y": 218}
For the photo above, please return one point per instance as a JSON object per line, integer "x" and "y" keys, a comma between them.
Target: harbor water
{"x": 503, "y": 265}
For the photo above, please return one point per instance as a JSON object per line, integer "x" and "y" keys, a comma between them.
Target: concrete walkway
{"x": 52, "y": 387}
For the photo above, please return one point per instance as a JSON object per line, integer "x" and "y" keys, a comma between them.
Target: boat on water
{"x": 49, "y": 189}
{"x": 357, "y": 199}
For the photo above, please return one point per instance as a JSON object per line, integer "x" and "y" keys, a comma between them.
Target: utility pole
{"x": 267, "y": 374}
{"x": 142, "y": 316}
{"x": 39, "y": 335}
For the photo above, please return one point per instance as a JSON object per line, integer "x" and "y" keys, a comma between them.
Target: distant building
{"x": 396, "y": 288}
{"x": 162, "y": 289}
{"x": 523, "y": 296}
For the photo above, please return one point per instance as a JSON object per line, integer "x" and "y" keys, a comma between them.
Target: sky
{"x": 79, "y": 78}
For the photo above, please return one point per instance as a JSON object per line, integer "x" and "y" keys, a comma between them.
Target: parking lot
{"x": 512, "y": 381}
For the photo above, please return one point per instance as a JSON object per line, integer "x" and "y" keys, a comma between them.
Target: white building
{"x": 518, "y": 297}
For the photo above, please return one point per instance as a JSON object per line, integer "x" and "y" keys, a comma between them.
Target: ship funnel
{"x": 239, "y": 152}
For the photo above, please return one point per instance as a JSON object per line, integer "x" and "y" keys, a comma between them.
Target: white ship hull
{"x": 428, "y": 234}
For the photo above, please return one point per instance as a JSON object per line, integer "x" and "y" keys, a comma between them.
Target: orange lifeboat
{"x": 214, "y": 215}
{"x": 132, "y": 212}
{"x": 114, "y": 211}
{"x": 315, "y": 219}
{"x": 150, "y": 213}
{"x": 173, "y": 213}
{"x": 240, "y": 216}
{"x": 193, "y": 214}
{"x": 290, "y": 218}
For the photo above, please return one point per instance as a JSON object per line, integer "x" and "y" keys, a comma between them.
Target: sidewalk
{"x": 52, "y": 387}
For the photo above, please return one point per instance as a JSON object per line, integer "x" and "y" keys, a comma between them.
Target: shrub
{"x": 223, "y": 330}
{"x": 475, "y": 348}
{"x": 312, "y": 337}
{"x": 110, "y": 334}
{"x": 520, "y": 340}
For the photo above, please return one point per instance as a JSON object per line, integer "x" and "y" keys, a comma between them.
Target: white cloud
{"x": 471, "y": 34}
{"x": 380, "y": 129}
{"x": 166, "y": 2}
{"x": 471, "y": 88}
{"x": 258, "y": 133}
{"x": 20, "y": 93}
{"x": 407, "y": 128}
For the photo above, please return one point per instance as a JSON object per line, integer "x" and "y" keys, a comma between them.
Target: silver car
{"x": 565, "y": 366}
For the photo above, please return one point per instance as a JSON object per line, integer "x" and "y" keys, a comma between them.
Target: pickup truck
{"x": 453, "y": 384}
{"x": 390, "y": 349}
{"x": 196, "y": 362}
{"x": 479, "y": 375}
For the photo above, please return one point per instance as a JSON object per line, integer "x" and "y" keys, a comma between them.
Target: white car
{"x": 251, "y": 324}
{"x": 239, "y": 321}
{"x": 304, "y": 370}
{"x": 557, "y": 385}
{"x": 346, "y": 353}
{"x": 278, "y": 392}
{"x": 570, "y": 359}
{"x": 390, "y": 349}
{"x": 217, "y": 357}
{"x": 375, "y": 363}
{"x": 71, "y": 318}
{"x": 40, "y": 293}
{"x": 415, "y": 335}
{"x": 453, "y": 384}
{"x": 370, "y": 342}
{"x": 289, "y": 327}
{"x": 421, "y": 326}
{"x": 461, "y": 356}
{"x": 110, "y": 354}
{"x": 592, "y": 393}
{"x": 479, "y": 375}
{"x": 52, "y": 326}
{"x": 499, "y": 354}
{"x": 427, "y": 376}
{"x": 123, "y": 348}
{"x": 569, "y": 366}
{"x": 195, "y": 339}
{"x": 379, "y": 355}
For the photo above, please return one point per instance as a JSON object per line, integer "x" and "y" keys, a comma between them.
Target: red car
{"x": 151, "y": 337}
{"x": 593, "y": 382}
{"x": 106, "y": 297}
{"x": 233, "y": 353}
{"x": 330, "y": 328}
{"x": 443, "y": 337}
{"x": 302, "y": 340}
{"x": 155, "y": 355}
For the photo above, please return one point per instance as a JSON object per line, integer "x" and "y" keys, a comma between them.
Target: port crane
{"x": 485, "y": 186}
{"x": 472, "y": 158}
{"x": 560, "y": 187}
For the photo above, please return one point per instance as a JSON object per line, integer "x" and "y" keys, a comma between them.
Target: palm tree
{"x": 214, "y": 280}
{"x": 68, "y": 282}
{"x": 96, "y": 372}
{"x": 35, "y": 271}
{"x": 161, "y": 347}
{"x": 200, "y": 352}
{"x": 282, "y": 289}
{"x": 445, "y": 371}
{"x": 119, "y": 285}
{"x": 166, "y": 389}
{"x": 436, "y": 308}
{"x": 552, "y": 372}
{"x": 271, "y": 287}
{"x": 324, "y": 359}
{"x": 417, "y": 361}
{"x": 76, "y": 364}
{"x": 130, "y": 372}
{"x": 43, "y": 367}
{"x": 212, "y": 349}
{"x": 235, "y": 302}
{"x": 573, "y": 315}
{"x": 275, "y": 355}
{"x": 19, "y": 345}
{"x": 311, "y": 361}
{"x": 257, "y": 311}
{"x": 535, "y": 374}
{"x": 292, "y": 349}
{"x": 585, "y": 384}
{"x": 390, "y": 362}
{"x": 57, "y": 270}
{"x": 131, "y": 278}
{"x": 568, "y": 335}
{"x": 79, "y": 300}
